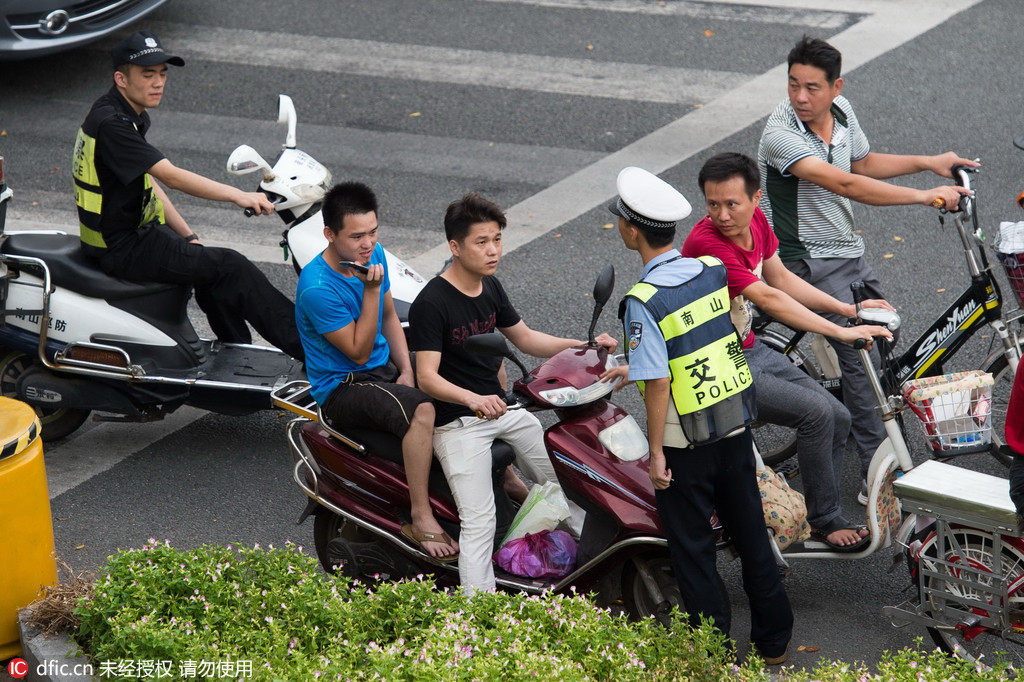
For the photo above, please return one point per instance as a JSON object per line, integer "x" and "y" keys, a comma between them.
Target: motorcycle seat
{"x": 71, "y": 269}
{"x": 389, "y": 446}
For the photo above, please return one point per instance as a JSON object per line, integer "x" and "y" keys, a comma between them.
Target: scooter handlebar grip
{"x": 249, "y": 212}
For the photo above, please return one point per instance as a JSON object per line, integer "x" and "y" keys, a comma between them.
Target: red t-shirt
{"x": 743, "y": 267}
{"x": 1015, "y": 414}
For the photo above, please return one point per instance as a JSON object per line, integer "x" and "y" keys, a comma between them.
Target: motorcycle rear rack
{"x": 960, "y": 594}
{"x": 297, "y": 397}
{"x": 958, "y": 496}
{"x": 46, "y": 286}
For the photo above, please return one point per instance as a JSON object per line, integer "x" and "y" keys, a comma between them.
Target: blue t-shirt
{"x": 326, "y": 301}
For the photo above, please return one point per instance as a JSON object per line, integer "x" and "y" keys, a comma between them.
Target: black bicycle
{"x": 980, "y": 306}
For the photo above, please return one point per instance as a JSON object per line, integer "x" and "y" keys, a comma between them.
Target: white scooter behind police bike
{"x": 74, "y": 340}
{"x": 296, "y": 185}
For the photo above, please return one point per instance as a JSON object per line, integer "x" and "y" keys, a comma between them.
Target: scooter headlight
{"x": 567, "y": 396}
{"x": 624, "y": 439}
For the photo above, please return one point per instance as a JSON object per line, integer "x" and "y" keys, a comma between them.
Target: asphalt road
{"x": 536, "y": 104}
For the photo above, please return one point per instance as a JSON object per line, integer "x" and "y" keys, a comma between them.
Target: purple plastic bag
{"x": 547, "y": 554}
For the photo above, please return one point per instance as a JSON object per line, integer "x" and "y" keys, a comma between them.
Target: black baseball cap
{"x": 142, "y": 48}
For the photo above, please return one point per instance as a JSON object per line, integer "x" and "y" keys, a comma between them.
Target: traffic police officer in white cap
{"x": 688, "y": 361}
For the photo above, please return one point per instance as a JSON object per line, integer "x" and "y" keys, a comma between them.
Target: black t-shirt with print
{"x": 441, "y": 318}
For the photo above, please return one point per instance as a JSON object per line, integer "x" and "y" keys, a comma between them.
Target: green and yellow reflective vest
{"x": 89, "y": 193}
{"x": 710, "y": 381}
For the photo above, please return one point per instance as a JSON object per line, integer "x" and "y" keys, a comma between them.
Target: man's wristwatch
{"x": 192, "y": 237}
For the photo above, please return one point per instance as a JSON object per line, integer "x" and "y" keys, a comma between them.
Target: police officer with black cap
{"x": 684, "y": 352}
{"x": 129, "y": 225}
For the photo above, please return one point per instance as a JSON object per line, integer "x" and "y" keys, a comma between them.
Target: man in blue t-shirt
{"x": 357, "y": 359}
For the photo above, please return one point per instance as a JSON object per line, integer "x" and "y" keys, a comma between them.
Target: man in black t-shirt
{"x": 129, "y": 225}
{"x": 463, "y": 301}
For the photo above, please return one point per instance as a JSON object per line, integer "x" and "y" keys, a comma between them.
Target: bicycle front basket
{"x": 954, "y": 409}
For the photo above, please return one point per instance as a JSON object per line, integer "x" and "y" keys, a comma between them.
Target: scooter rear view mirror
{"x": 495, "y": 345}
{"x": 245, "y": 160}
{"x": 491, "y": 344}
{"x": 602, "y": 292}
{"x": 286, "y": 114}
{"x": 605, "y": 285}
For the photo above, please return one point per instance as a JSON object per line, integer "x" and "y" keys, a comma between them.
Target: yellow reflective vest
{"x": 89, "y": 193}
{"x": 711, "y": 384}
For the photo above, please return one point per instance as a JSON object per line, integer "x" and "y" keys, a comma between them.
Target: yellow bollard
{"x": 27, "y": 563}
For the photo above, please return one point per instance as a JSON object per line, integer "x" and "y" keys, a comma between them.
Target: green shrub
{"x": 273, "y": 609}
{"x": 270, "y": 615}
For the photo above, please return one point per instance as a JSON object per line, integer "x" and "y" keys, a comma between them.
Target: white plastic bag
{"x": 543, "y": 509}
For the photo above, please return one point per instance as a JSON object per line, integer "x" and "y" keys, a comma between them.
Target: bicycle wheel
{"x": 778, "y": 443}
{"x": 969, "y": 559}
{"x": 1002, "y": 384}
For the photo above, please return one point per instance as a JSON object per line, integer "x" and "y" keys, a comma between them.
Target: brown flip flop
{"x": 420, "y": 537}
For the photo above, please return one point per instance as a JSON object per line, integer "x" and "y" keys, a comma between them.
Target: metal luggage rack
{"x": 296, "y": 396}
{"x": 973, "y": 521}
{"x": 959, "y": 594}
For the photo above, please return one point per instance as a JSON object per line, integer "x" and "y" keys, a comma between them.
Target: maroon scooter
{"x": 360, "y": 500}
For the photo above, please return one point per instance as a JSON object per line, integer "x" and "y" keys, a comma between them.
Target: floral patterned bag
{"x": 785, "y": 512}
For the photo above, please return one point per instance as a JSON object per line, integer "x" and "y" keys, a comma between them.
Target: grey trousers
{"x": 786, "y": 395}
{"x": 834, "y": 276}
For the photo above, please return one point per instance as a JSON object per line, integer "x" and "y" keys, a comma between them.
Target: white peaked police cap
{"x": 647, "y": 200}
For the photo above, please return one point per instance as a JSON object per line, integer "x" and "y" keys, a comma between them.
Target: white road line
{"x": 334, "y": 146}
{"x": 353, "y": 148}
{"x": 893, "y": 25}
{"x": 79, "y": 458}
{"x": 559, "y": 75}
{"x": 791, "y": 12}
{"x": 820, "y": 14}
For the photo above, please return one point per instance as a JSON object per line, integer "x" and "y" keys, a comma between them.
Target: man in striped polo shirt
{"x": 814, "y": 159}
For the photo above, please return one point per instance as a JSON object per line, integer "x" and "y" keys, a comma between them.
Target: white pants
{"x": 463, "y": 447}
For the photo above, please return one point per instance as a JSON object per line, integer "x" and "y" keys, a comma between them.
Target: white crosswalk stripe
{"x": 634, "y": 82}
{"x": 816, "y": 14}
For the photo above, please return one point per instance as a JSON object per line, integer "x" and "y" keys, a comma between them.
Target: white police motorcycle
{"x": 74, "y": 340}
{"x": 296, "y": 185}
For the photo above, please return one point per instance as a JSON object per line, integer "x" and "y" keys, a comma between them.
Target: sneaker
{"x": 776, "y": 660}
{"x": 862, "y": 496}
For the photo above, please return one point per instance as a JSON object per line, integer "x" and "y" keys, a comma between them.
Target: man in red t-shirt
{"x": 737, "y": 233}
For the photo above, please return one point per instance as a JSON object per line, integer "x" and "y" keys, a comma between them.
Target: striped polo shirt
{"x": 810, "y": 221}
